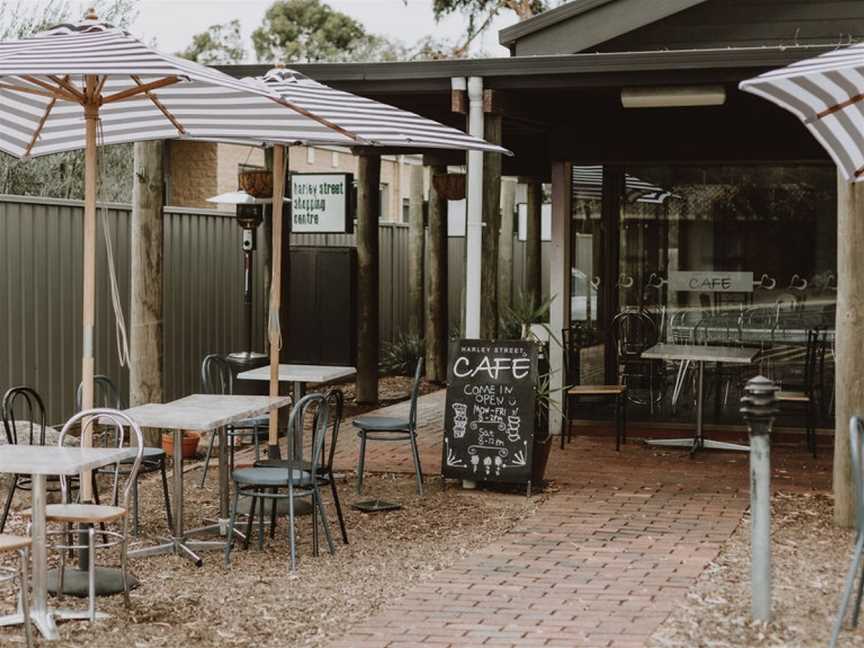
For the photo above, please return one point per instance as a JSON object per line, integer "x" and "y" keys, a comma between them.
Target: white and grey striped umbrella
{"x": 376, "y": 123}
{"x": 826, "y": 93}
{"x": 588, "y": 185}
{"x": 141, "y": 94}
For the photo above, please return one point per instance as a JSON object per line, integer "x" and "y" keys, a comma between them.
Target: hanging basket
{"x": 450, "y": 186}
{"x": 256, "y": 182}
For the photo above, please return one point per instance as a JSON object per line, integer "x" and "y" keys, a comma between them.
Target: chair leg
{"x": 273, "y": 503}
{"x": 361, "y": 462}
{"x": 91, "y": 575}
{"x": 8, "y": 503}
{"x": 291, "y": 535}
{"x": 232, "y": 519}
{"x": 124, "y": 563}
{"x": 261, "y": 503}
{"x": 324, "y": 522}
{"x": 164, "y": 472}
{"x": 417, "y": 469}
{"x": 207, "y": 459}
{"x": 856, "y": 611}
{"x": 617, "y": 424}
{"x": 314, "y": 525}
{"x": 24, "y": 595}
{"x": 249, "y": 521}
{"x": 338, "y": 506}
{"x": 847, "y": 590}
{"x": 135, "y": 507}
{"x": 624, "y": 418}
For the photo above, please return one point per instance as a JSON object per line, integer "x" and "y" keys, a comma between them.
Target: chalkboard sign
{"x": 489, "y": 422}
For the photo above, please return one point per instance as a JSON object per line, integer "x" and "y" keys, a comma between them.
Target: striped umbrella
{"x": 826, "y": 93}
{"x": 588, "y": 185}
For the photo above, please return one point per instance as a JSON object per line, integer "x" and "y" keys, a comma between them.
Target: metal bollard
{"x": 758, "y": 410}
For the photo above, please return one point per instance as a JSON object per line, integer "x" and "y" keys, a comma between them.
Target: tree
{"x": 303, "y": 31}
{"x": 219, "y": 45}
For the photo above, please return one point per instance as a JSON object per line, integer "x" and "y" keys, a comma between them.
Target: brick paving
{"x": 609, "y": 554}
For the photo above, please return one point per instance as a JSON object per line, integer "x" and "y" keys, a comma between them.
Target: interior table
{"x": 700, "y": 354}
{"x": 39, "y": 462}
{"x": 199, "y": 413}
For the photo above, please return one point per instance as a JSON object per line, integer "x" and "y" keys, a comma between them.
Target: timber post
{"x": 505, "y": 245}
{"x": 437, "y": 304}
{"x": 491, "y": 230}
{"x": 146, "y": 251}
{"x": 533, "y": 268}
{"x": 416, "y": 255}
{"x": 368, "y": 209}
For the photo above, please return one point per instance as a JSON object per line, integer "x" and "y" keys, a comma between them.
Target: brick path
{"x": 602, "y": 562}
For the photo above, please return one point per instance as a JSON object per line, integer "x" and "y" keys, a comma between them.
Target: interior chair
{"x": 635, "y": 332}
{"x": 8, "y": 574}
{"x": 106, "y": 395}
{"x": 793, "y": 399}
{"x": 856, "y": 434}
{"x": 269, "y": 483}
{"x": 392, "y": 428}
{"x": 217, "y": 377}
{"x": 591, "y": 395}
{"x": 24, "y": 420}
{"x": 109, "y": 432}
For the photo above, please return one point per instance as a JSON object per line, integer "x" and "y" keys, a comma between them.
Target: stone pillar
{"x": 368, "y": 210}
{"x": 146, "y": 250}
{"x": 437, "y": 302}
{"x": 416, "y": 256}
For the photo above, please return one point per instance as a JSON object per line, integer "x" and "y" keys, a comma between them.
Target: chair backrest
{"x": 335, "y": 403}
{"x": 856, "y": 431}
{"x": 317, "y": 405}
{"x": 415, "y": 393}
{"x": 108, "y": 428}
{"x": 216, "y": 375}
{"x": 574, "y": 340}
{"x": 105, "y": 394}
{"x": 634, "y": 332}
{"x": 814, "y": 359}
{"x": 23, "y": 414}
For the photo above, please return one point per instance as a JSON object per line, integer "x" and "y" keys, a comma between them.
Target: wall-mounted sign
{"x": 710, "y": 281}
{"x": 489, "y": 420}
{"x": 322, "y": 203}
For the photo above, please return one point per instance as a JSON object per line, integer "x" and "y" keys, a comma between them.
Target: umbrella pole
{"x": 91, "y": 118}
{"x": 276, "y": 294}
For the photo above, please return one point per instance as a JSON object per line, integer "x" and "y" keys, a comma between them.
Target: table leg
{"x": 178, "y": 484}
{"x": 299, "y": 392}
{"x": 224, "y": 481}
{"x": 700, "y": 402}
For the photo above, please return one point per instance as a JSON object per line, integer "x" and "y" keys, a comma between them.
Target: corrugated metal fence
{"x": 40, "y": 292}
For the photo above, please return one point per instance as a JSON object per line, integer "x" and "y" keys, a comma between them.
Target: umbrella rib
{"x": 67, "y": 85}
{"x": 41, "y": 125}
{"x": 139, "y": 89}
{"x": 841, "y": 106}
{"x": 152, "y": 97}
{"x": 318, "y": 118}
{"x": 44, "y": 89}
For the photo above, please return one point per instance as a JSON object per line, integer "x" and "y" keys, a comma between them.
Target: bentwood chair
{"x": 106, "y": 395}
{"x": 268, "y": 483}
{"x": 392, "y": 428}
{"x": 20, "y": 545}
{"x": 217, "y": 377}
{"x": 856, "y": 435}
{"x": 108, "y": 430}
{"x": 806, "y": 396}
{"x": 24, "y": 421}
{"x": 634, "y": 332}
{"x": 590, "y": 395}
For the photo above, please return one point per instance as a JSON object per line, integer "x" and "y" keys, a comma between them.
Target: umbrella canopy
{"x": 588, "y": 185}
{"x": 378, "y": 124}
{"x": 140, "y": 93}
{"x": 826, "y": 93}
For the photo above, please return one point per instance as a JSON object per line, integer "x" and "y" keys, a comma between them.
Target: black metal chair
{"x": 265, "y": 483}
{"x": 807, "y": 395}
{"x": 856, "y": 433}
{"x": 217, "y": 377}
{"x": 24, "y": 419}
{"x": 574, "y": 341}
{"x": 391, "y": 428}
{"x": 634, "y": 332}
{"x": 106, "y": 395}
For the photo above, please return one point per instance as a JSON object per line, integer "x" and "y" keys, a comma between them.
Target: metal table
{"x": 39, "y": 462}
{"x": 199, "y": 413}
{"x": 700, "y": 354}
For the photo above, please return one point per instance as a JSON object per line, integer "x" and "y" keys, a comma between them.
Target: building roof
{"x": 629, "y": 14}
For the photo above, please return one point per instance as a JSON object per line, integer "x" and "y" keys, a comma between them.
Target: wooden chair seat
{"x": 82, "y": 513}
{"x": 792, "y": 396}
{"x": 596, "y": 390}
{"x": 13, "y": 542}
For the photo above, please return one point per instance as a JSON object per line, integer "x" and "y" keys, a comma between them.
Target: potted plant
{"x": 189, "y": 447}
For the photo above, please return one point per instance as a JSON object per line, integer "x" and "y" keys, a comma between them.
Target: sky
{"x": 172, "y": 23}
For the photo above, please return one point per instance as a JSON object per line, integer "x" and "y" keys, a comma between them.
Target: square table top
{"x": 203, "y": 412}
{"x": 54, "y": 460}
{"x": 300, "y": 373}
{"x": 701, "y": 353}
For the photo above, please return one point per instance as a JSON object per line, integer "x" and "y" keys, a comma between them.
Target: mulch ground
{"x": 810, "y": 557}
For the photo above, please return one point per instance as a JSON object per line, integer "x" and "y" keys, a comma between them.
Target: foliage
{"x": 401, "y": 356}
{"x": 62, "y": 175}
{"x": 219, "y": 45}
{"x": 519, "y": 317}
{"x": 302, "y": 31}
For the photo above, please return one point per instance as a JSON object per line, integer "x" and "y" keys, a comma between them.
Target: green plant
{"x": 521, "y": 315}
{"x": 401, "y": 356}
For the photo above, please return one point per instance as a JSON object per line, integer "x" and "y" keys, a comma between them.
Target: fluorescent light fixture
{"x": 673, "y": 96}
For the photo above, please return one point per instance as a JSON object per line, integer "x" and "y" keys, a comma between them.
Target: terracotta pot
{"x": 450, "y": 186}
{"x": 257, "y": 182}
{"x": 190, "y": 444}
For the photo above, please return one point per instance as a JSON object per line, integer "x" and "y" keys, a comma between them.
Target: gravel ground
{"x": 810, "y": 558}
{"x": 257, "y": 601}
